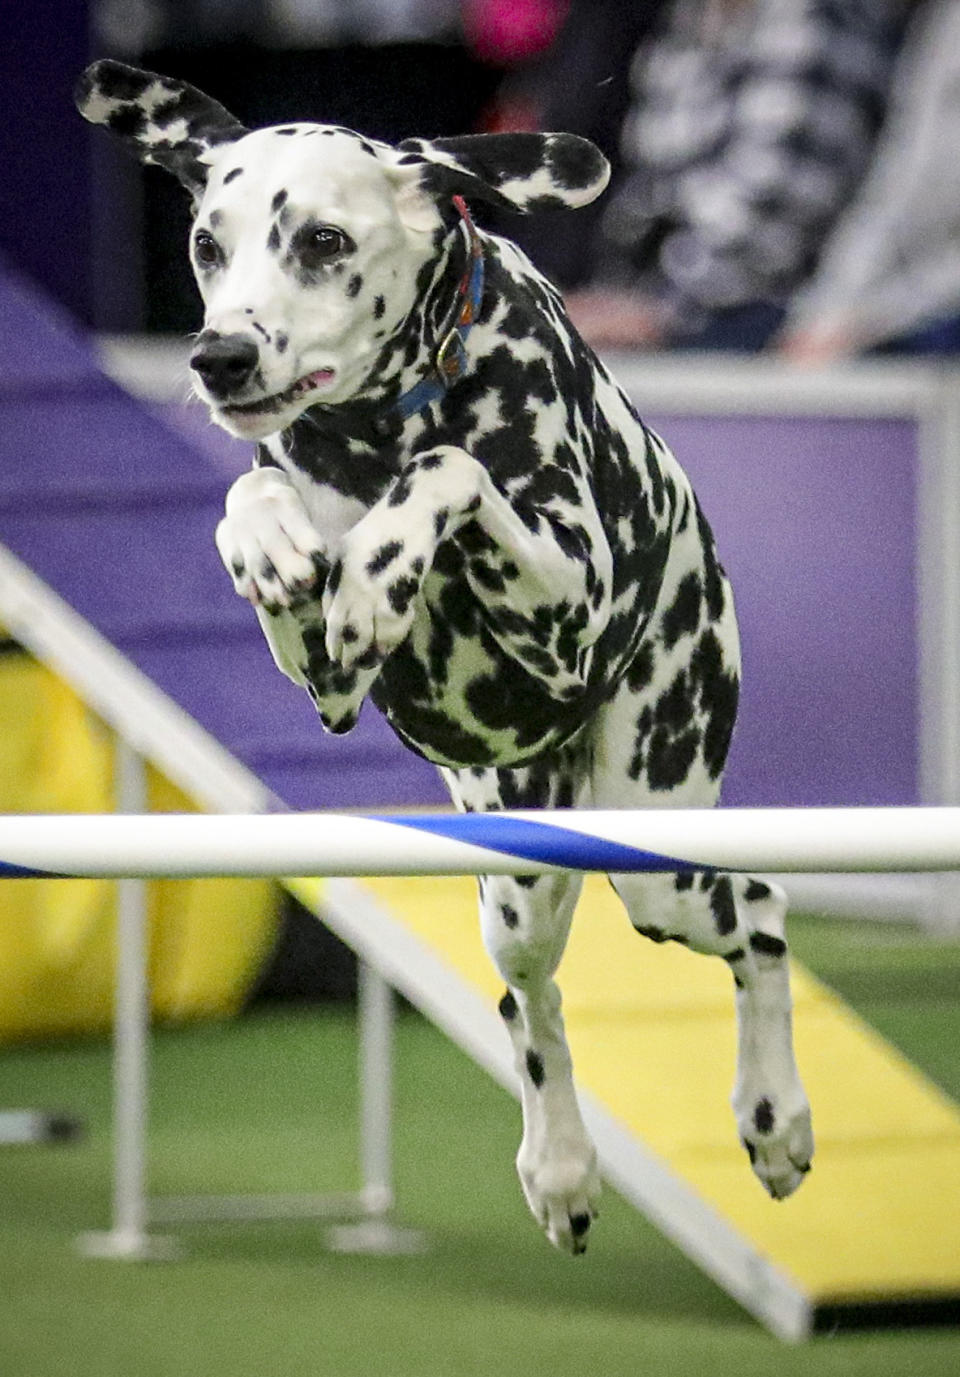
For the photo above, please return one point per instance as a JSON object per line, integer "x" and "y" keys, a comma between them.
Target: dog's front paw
{"x": 368, "y": 601}
{"x": 562, "y": 1188}
{"x": 269, "y": 546}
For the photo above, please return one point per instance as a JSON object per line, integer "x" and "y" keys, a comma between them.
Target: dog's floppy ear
{"x": 525, "y": 172}
{"x": 168, "y": 122}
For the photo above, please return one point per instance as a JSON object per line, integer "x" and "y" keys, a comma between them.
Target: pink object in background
{"x": 507, "y": 32}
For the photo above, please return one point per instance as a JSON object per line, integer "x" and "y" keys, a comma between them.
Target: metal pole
{"x": 132, "y": 1019}
{"x": 375, "y": 1015}
{"x": 375, "y": 1234}
{"x": 128, "y": 1237}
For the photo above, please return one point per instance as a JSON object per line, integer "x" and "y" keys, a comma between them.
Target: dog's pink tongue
{"x": 322, "y": 375}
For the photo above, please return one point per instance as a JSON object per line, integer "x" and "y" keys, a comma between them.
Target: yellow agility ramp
{"x": 652, "y": 1032}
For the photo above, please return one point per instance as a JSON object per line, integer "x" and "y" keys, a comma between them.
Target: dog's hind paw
{"x": 563, "y": 1194}
{"x": 779, "y": 1144}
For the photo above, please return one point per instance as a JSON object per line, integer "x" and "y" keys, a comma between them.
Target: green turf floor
{"x": 268, "y": 1104}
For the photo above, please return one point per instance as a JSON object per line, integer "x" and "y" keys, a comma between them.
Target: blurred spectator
{"x": 580, "y": 83}
{"x": 890, "y": 274}
{"x": 750, "y": 125}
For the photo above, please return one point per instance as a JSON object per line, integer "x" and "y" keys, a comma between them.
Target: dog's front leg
{"x": 278, "y": 562}
{"x": 545, "y": 584}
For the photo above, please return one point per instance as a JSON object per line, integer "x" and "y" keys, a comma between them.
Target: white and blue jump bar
{"x": 770, "y": 840}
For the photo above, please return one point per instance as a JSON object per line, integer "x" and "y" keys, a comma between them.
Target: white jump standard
{"x": 772, "y": 840}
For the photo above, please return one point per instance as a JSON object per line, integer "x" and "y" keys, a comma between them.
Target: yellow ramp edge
{"x": 652, "y": 1033}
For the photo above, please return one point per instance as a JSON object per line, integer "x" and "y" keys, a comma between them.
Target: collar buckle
{"x": 451, "y": 357}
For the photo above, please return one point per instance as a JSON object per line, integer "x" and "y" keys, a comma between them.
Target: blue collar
{"x": 450, "y": 359}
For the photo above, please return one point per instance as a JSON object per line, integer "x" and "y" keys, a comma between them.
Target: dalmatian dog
{"x": 455, "y": 510}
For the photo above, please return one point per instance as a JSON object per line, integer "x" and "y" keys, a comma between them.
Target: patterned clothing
{"x": 893, "y": 265}
{"x": 751, "y": 125}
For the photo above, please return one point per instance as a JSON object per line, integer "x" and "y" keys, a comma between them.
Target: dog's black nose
{"x": 224, "y": 362}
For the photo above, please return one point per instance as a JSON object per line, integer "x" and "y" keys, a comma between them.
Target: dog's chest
{"x": 535, "y": 411}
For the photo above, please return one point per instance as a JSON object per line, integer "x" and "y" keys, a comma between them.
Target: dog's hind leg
{"x": 525, "y": 921}
{"x": 525, "y": 930}
{"x": 741, "y": 920}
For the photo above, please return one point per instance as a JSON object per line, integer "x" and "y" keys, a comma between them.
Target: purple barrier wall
{"x": 816, "y": 518}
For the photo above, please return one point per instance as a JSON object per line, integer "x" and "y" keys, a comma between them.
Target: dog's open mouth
{"x": 268, "y": 405}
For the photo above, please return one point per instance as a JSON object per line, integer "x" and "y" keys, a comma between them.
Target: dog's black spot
{"x": 718, "y": 695}
{"x": 535, "y": 1068}
{"x": 714, "y": 582}
{"x": 756, "y": 890}
{"x": 579, "y": 1224}
{"x": 508, "y": 1007}
{"x": 279, "y": 201}
{"x": 670, "y": 757}
{"x": 379, "y": 307}
{"x": 683, "y": 880}
{"x": 722, "y": 906}
{"x": 400, "y": 492}
{"x": 232, "y": 175}
{"x": 683, "y": 616}
{"x": 640, "y": 672}
{"x": 281, "y": 342}
{"x": 401, "y": 592}
{"x": 117, "y": 82}
{"x": 369, "y": 659}
{"x": 273, "y": 239}
{"x": 287, "y": 129}
{"x": 763, "y": 1116}
{"x": 766, "y": 945}
{"x": 488, "y": 578}
{"x": 674, "y": 709}
{"x": 354, "y": 285}
{"x": 439, "y": 650}
{"x": 384, "y": 557}
{"x": 509, "y": 915}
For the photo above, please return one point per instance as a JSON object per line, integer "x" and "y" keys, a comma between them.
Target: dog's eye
{"x": 320, "y": 244}
{"x": 206, "y": 250}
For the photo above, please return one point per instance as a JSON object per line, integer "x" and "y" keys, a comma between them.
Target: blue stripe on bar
{"x": 23, "y": 872}
{"x": 541, "y": 841}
